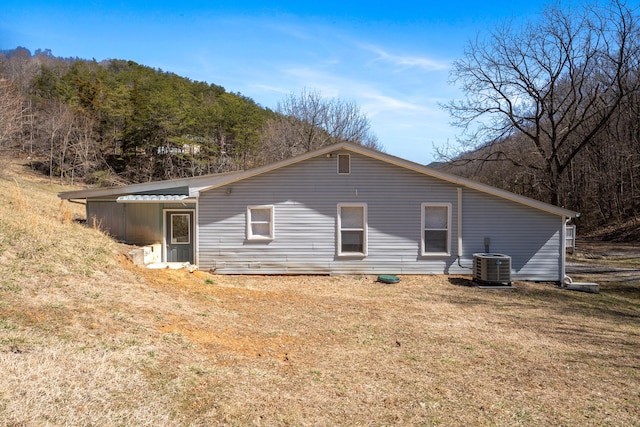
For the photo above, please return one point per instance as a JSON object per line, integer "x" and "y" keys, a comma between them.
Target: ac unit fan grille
{"x": 492, "y": 268}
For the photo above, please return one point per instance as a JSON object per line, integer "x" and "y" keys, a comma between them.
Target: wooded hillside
{"x": 116, "y": 121}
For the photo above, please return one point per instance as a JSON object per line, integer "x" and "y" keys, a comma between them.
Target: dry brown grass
{"x": 88, "y": 339}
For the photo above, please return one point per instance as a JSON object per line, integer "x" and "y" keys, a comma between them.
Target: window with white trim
{"x": 260, "y": 222}
{"x": 344, "y": 164}
{"x": 436, "y": 229}
{"x": 352, "y": 229}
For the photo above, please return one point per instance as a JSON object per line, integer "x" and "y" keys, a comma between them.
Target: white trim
{"x": 250, "y": 222}
{"x": 196, "y": 240}
{"x": 364, "y": 229}
{"x": 459, "y": 232}
{"x": 423, "y": 207}
{"x": 563, "y": 250}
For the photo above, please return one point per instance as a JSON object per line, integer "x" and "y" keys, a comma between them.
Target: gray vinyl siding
{"x": 531, "y": 238}
{"x": 305, "y": 193}
{"x": 305, "y": 198}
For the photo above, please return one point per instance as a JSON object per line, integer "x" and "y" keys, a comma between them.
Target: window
{"x": 352, "y": 229}
{"x": 180, "y": 229}
{"x": 344, "y": 164}
{"x": 436, "y": 220}
{"x": 260, "y": 222}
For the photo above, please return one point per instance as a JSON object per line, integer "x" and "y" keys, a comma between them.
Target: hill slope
{"x": 88, "y": 339}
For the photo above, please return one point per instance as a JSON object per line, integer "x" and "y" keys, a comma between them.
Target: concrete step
{"x": 592, "y": 288}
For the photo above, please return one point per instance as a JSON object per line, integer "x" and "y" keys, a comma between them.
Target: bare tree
{"x": 556, "y": 81}
{"x": 19, "y": 67}
{"x": 11, "y": 112}
{"x": 83, "y": 147}
{"x": 308, "y": 121}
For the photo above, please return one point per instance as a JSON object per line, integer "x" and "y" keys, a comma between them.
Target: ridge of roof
{"x": 407, "y": 164}
{"x": 469, "y": 183}
{"x": 206, "y": 182}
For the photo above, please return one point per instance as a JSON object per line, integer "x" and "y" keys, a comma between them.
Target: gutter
{"x": 460, "y": 230}
{"x": 563, "y": 257}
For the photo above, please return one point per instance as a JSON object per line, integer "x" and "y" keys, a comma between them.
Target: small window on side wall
{"x": 436, "y": 229}
{"x": 344, "y": 164}
{"x": 260, "y": 222}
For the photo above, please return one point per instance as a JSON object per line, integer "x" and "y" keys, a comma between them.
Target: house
{"x": 343, "y": 209}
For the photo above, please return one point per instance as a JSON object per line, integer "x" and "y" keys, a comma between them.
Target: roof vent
{"x": 492, "y": 269}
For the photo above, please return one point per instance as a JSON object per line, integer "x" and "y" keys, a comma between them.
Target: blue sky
{"x": 392, "y": 60}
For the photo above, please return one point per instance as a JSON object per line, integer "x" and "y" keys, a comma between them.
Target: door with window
{"x": 179, "y": 236}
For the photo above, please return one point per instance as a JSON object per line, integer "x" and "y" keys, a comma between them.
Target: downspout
{"x": 196, "y": 232}
{"x": 124, "y": 214}
{"x": 163, "y": 234}
{"x": 565, "y": 280}
{"x": 460, "y": 229}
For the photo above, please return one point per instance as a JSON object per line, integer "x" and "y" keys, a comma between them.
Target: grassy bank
{"x": 88, "y": 339}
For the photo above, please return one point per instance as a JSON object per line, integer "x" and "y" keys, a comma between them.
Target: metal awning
{"x": 153, "y": 198}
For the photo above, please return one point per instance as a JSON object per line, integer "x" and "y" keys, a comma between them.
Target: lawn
{"x": 86, "y": 338}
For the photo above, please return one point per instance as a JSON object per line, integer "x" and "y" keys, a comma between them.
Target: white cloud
{"x": 425, "y": 63}
{"x": 272, "y": 89}
{"x": 376, "y": 102}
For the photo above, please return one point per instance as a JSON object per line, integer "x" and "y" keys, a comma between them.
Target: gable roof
{"x": 207, "y": 182}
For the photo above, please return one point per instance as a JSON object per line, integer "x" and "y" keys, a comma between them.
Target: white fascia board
{"x": 277, "y": 165}
{"x": 464, "y": 182}
{"x": 454, "y": 179}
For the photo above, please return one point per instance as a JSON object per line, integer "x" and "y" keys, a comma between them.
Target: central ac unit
{"x": 493, "y": 269}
